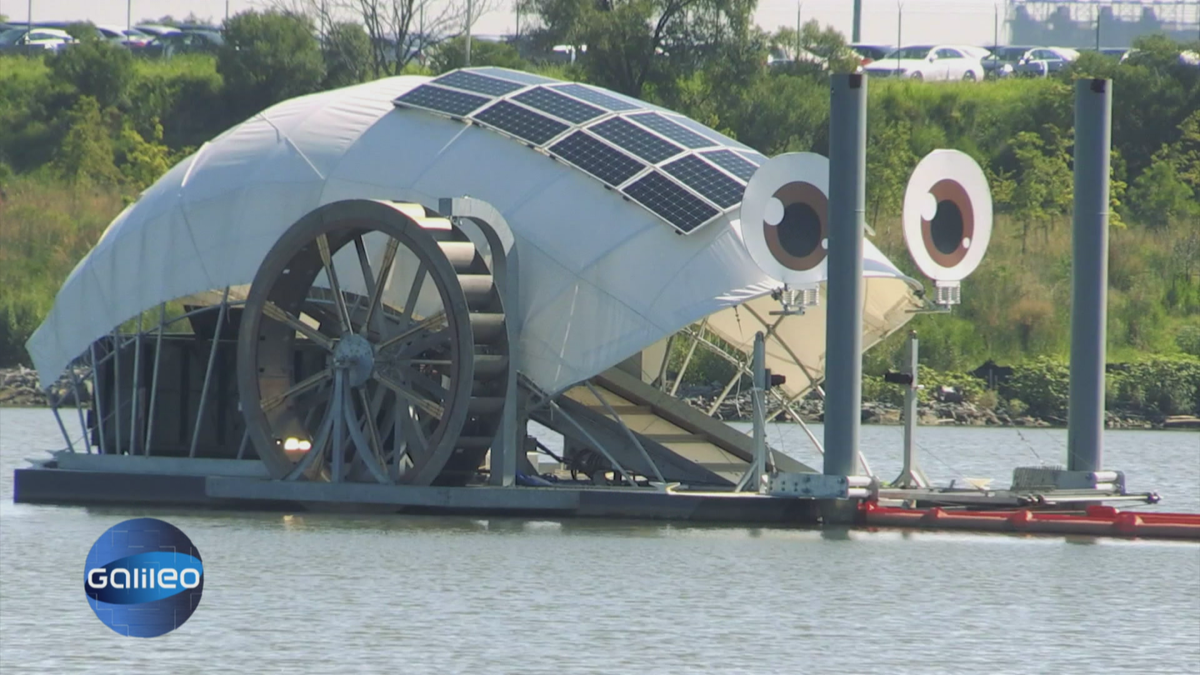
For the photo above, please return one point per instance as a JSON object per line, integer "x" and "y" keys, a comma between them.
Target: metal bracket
{"x": 818, "y": 486}
{"x": 1058, "y": 478}
{"x": 795, "y": 300}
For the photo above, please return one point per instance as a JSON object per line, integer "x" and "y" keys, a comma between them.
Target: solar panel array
{"x": 674, "y": 167}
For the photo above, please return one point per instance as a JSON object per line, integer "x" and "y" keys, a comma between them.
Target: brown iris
{"x": 952, "y": 224}
{"x": 797, "y": 242}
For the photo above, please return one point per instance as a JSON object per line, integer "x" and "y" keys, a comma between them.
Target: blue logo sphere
{"x": 143, "y": 578}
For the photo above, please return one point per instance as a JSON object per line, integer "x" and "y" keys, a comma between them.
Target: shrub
{"x": 1043, "y": 385}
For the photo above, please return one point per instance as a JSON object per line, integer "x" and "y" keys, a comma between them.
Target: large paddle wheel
{"x": 394, "y": 373}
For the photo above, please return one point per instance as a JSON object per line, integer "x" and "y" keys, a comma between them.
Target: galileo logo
{"x": 143, "y": 578}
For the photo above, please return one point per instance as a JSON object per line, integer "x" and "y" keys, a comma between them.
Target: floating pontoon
{"x": 363, "y": 297}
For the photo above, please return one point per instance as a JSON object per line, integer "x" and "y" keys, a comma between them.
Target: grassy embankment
{"x": 67, "y": 168}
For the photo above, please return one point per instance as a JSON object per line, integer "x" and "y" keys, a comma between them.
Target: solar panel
{"x": 757, "y": 158}
{"x": 597, "y": 158}
{"x": 461, "y": 79}
{"x": 732, "y": 162}
{"x": 442, "y": 100}
{"x": 707, "y": 179}
{"x": 514, "y": 75}
{"x": 592, "y": 96}
{"x": 670, "y": 201}
{"x": 635, "y": 139}
{"x": 671, "y": 130}
{"x": 522, "y": 123}
{"x": 563, "y": 107}
{"x": 713, "y": 135}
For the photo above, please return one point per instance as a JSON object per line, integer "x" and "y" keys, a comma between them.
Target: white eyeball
{"x": 784, "y": 220}
{"x": 947, "y": 215}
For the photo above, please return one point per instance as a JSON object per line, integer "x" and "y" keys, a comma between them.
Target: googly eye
{"x": 784, "y": 216}
{"x": 947, "y": 215}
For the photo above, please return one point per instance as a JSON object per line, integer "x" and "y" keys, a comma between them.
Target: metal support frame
{"x": 911, "y": 475}
{"x": 94, "y": 363}
{"x": 96, "y": 399}
{"x": 758, "y": 466}
{"x": 134, "y": 408}
{"x": 591, "y": 439}
{"x": 712, "y": 409}
{"x": 116, "y": 414}
{"x": 843, "y": 325}
{"x": 212, "y": 359}
{"x": 1089, "y": 274}
{"x": 627, "y": 430}
{"x": 661, "y": 380}
{"x": 162, "y": 328}
{"x": 61, "y": 427}
{"x": 687, "y": 360}
{"x": 785, "y": 403}
{"x": 77, "y": 386}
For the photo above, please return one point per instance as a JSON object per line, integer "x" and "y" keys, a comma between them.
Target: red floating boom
{"x": 1100, "y": 521}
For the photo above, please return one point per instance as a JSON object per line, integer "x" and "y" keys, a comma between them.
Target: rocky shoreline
{"x": 19, "y": 388}
{"x": 941, "y": 413}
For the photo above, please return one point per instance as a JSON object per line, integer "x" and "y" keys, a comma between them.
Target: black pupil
{"x": 800, "y": 230}
{"x": 947, "y": 227}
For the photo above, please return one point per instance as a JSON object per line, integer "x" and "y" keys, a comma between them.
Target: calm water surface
{"x": 298, "y": 593}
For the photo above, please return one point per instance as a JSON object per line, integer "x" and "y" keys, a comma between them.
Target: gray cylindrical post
{"x": 1089, "y": 274}
{"x": 856, "y": 30}
{"x": 843, "y": 326}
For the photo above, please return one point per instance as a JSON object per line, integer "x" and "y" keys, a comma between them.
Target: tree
{"x": 95, "y": 68}
{"x": 827, "y": 43}
{"x": 268, "y": 57}
{"x": 1158, "y": 196}
{"x": 635, "y": 43}
{"x": 143, "y": 161}
{"x": 86, "y": 152}
{"x": 1044, "y": 186}
{"x": 452, "y": 54}
{"x": 890, "y": 160}
{"x": 347, "y": 52}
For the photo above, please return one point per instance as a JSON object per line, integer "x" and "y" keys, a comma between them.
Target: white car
{"x": 1045, "y": 61}
{"x": 929, "y": 62}
{"x": 131, "y": 37}
{"x": 39, "y": 38}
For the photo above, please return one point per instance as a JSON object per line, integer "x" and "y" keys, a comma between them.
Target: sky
{"x": 970, "y": 21}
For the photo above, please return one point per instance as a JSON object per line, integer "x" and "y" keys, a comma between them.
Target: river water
{"x": 299, "y": 593}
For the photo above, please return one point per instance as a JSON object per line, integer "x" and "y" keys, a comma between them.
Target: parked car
{"x": 871, "y": 53}
{"x": 35, "y": 40}
{"x": 1003, "y": 60}
{"x": 183, "y": 42}
{"x": 155, "y": 30}
{"x": 130, "y": 37}
{"x": 928, "y": 62}
{"x": 781, "y": 56}
{"x": 1045, "y": 61}
{"x": 1115, "y": 52}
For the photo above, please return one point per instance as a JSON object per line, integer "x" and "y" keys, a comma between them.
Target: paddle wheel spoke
{"x": 339, "y": 300}
{"x": 376, "y": 288}
{"x": 300, "y": 387}
{"x": 279, "y": 314}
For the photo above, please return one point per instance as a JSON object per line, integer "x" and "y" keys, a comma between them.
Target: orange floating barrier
{"x": 1101, "y": 521}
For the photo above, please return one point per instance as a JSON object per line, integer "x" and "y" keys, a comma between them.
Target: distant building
{"x": 1076, "y": 23}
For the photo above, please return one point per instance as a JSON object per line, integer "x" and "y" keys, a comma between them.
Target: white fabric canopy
{"x": 601, "y": 278}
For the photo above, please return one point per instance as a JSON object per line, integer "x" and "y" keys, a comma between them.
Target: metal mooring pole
{"x": 911, "y": 475}
{"x": 843, "y": 325}
{"x": 1089, "y": 274}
